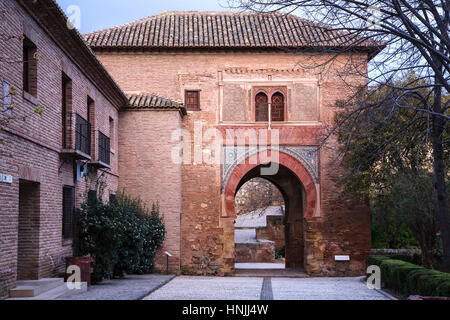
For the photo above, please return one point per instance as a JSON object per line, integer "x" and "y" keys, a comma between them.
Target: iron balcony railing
{"x": 82, "y": 135}
{"x": 103, "y": 148}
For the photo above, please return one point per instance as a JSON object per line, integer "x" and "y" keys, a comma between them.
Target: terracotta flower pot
{"x": 84, "y": 263}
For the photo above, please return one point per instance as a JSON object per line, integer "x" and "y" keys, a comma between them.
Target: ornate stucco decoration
{"x": 244, "y": 70}
{"x": 233, "y": 155}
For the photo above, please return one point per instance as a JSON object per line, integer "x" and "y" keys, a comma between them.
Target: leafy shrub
{"x": 435, "y": 257}
{"x": 143, "y": 233}
{"x": 411, "y": 279}
{"x": 414, "y": 259}
{"x": 388, "y": 232}
{"x": 280, "y": 253}
{"x": 122, "y": 236}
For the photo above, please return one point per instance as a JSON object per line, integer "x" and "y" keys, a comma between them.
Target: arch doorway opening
{"x": 270, "y": 213}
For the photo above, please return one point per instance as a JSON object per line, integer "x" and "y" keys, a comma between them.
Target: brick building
{"x": 240, "y": 75}
{"x": 232, "y": 93}
{"x": 43, "y": 157}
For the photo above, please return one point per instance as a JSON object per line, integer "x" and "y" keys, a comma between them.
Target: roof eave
{"x": 180, "y": 109}
{"x": 72, "y": 44}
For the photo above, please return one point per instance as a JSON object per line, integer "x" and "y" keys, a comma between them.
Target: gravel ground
{"x": 238, "y": 288}
{"x": 323, "y": 289}
{"x": 209, "y": 288}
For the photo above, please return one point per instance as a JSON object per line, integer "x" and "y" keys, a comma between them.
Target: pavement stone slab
{"x": 323, "y": 289}
{"x": 255, "y": 288}
{"x": 132, "y": 287}
{"x": 209, "y": 288}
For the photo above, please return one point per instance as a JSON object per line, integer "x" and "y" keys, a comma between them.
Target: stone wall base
{"x": 255, "y": 252}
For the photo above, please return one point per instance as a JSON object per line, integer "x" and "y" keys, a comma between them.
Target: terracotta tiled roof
{"x": 194, "y": 29}
{"x": 152, "y": 101}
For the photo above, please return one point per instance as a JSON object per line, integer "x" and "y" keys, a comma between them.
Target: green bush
{"x": 280, "y": 253}
{"x": 414, "y": 259}
{"x": 122, "y": 236}
{"x": 435, "y": 256}
{"x": 143, "y": 233}
{"x": 411, "y": 279}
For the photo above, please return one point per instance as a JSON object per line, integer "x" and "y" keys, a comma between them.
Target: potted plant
{"x": 83, "y": 262}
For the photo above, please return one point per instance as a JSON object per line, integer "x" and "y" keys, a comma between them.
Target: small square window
{"x": 192, "y": 100}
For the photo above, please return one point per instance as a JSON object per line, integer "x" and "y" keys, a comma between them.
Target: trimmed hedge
{"x": 411, "y": 279}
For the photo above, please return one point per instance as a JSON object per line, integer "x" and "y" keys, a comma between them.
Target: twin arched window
{"x": 262, "y": 107}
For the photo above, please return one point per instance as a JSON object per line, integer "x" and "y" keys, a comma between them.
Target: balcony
{"x": 81, "y": 149}
{"x": 103, "y": 151}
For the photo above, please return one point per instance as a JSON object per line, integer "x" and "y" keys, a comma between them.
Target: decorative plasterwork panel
{"x": 245, "y": 70}
{"x": 234, "y": 155}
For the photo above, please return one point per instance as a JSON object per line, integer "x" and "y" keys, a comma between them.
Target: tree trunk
{"x": 443, "y": 214}
{"x": 426, "y": 257}
{"x": 425, "y": 248}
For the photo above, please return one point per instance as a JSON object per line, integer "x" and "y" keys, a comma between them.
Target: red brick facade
{"x": 31, "y": 212}
{"x": 196, "y": 196}
{"x": 147, "y": 171}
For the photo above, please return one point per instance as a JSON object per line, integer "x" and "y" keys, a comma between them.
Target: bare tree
{"x": 9, "y": 92}
{"x": 414, "y": 37}
{"x": 257, "y": 195}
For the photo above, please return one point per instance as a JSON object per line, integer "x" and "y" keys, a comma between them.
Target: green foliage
{"x": 122, "y": 237}
{"x": 144, "y": 232}
{"x": 435, "y": 256}
{"x": 393, "y": 235}
{"x": 39, "y": 110}
{"x": 280, "y": 253}
{"x": 390, "y": 163}
{"x": 414, "y": 259}
{"x": 411, "y": 279}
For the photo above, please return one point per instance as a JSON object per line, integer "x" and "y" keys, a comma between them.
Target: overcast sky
{"x": 101, "y": 14}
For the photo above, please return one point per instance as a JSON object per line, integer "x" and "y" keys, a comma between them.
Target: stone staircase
{"x": 43, "y": 289}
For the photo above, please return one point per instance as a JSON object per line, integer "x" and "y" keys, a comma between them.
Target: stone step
{"x": 271, "y": 273}
{"x": 33, "y": 288}
{"x": 60, "y": 291}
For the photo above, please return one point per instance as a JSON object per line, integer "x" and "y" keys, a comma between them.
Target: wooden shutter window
{"x": 92, "y": 196}
{"x": 68, "y": 212}
{"x": 66, "y": 107}
{"x": 113, "y": 199}
{"x": 192, "y": 100}
{"x": 261, "y": 107}
{"x": 277, "y": 107}
{"x": 29, "y": 67}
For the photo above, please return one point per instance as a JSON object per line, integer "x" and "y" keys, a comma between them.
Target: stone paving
{"x": 252, "y": 288}
{"x": 323, "y": 289}
{"x": 132, "y": 287}
{"x": 209, "y": 288}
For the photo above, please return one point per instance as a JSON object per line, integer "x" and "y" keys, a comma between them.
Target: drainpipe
{"x": 270, "y": 116}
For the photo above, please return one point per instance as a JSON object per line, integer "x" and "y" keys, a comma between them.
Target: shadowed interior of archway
{"x": 295, "y": 203}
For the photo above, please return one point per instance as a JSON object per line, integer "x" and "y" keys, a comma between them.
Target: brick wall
{"x": 31, "y": 144}
{"x": 147, "y": 171}
{"x": 274, "y": 231}
{"x": 28, "y": 239}
{"x": 255, "y": 252}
